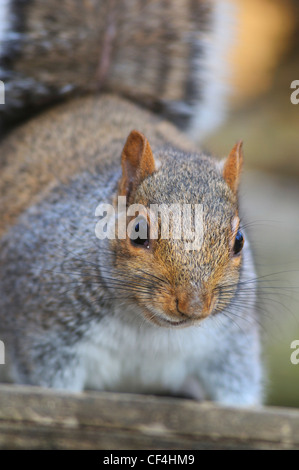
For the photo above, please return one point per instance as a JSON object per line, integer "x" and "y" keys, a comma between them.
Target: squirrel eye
{"x": 239, "y": 242}
{"x": 140, "y": 233}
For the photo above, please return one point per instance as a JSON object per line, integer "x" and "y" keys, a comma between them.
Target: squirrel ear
{"x": 233, "y": 166}
{"x": 137, "y": 162}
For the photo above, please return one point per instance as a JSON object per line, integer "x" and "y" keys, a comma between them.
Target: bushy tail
{"x": 167, "y": 55}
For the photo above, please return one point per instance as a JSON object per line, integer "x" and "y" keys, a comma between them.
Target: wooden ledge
{"x": 35, "y": 418}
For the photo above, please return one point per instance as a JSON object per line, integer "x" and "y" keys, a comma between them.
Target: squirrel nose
{"x": 189, "y": 305}
{"x": 180, "y": 306}
{"x": 184, "y": 301}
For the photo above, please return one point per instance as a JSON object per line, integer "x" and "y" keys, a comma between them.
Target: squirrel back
{"x": 72, "y": 137}
{"x": 167, "y": 56}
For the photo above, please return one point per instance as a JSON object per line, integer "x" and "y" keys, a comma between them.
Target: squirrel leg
{"x": 48, "y": 366}
{"x": 233, "y": 374}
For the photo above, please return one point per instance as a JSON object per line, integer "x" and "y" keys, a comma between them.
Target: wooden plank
{"x": 34, "y": 418}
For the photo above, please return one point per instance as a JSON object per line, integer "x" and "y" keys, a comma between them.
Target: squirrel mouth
{"x": 176, "y": 323}
{"x": 162, "y": 321}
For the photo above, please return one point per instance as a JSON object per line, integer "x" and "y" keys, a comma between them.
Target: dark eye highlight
{"x": 239, "y": 243}
{"x": 140, "y": 233}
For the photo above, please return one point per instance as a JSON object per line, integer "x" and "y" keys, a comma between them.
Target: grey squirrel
{"x": 125, "y": 314}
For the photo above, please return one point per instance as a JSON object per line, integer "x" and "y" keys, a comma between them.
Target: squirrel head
{"x": 178, "y": 277}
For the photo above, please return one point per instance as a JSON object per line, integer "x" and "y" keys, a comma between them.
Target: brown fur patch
{"x": 83, "y": 135}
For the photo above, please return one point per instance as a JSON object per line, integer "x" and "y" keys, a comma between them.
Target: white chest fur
{"x": 132, "y": 356}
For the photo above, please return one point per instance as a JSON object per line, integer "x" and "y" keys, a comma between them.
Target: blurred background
{"x": 265, "y": 60}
